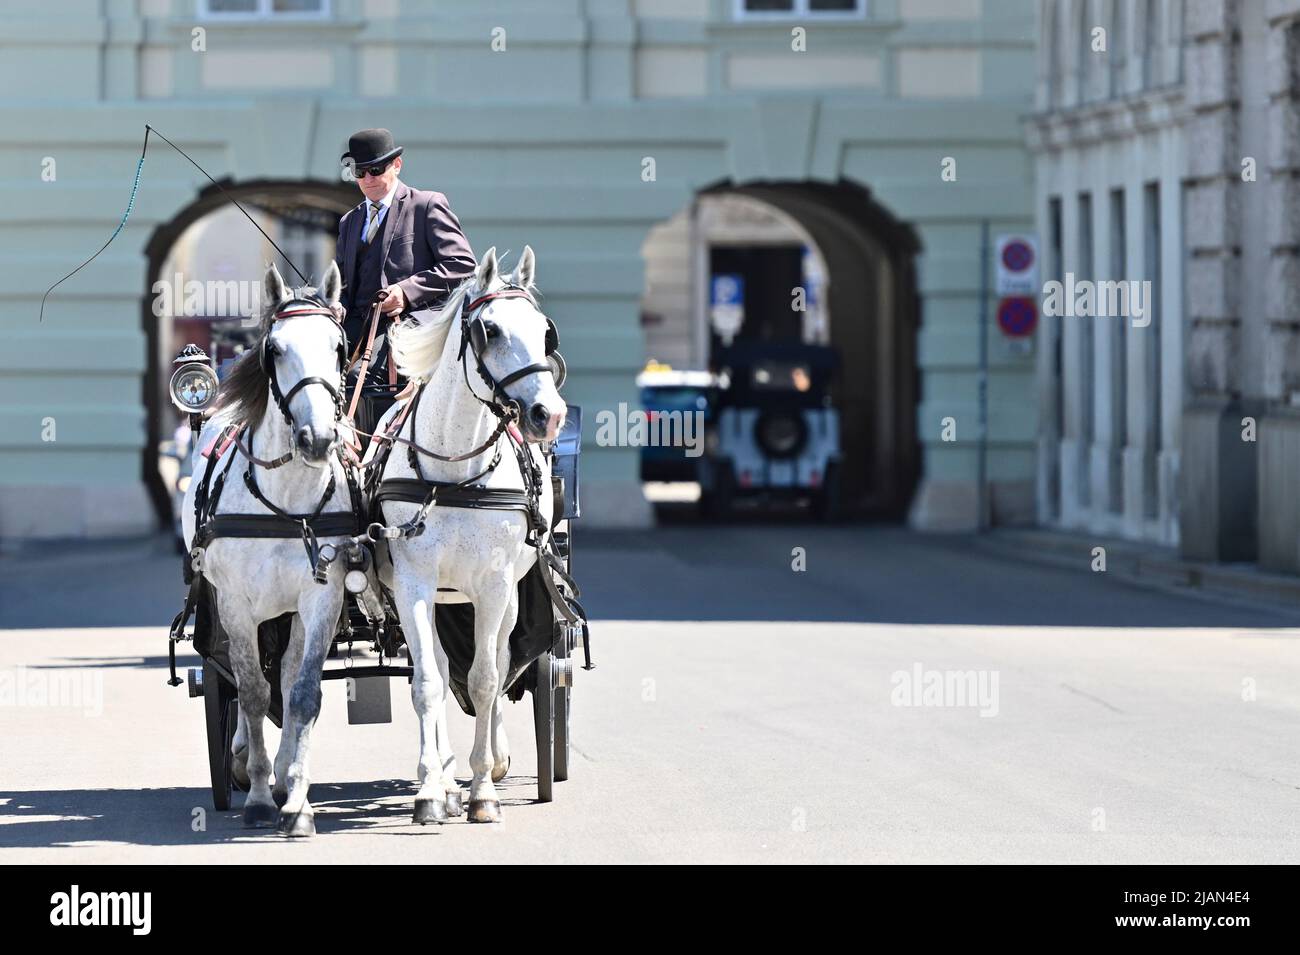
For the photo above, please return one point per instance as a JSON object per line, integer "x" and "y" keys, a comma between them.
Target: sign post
{"x": 983, "y": 383}
{"x": 1016, "y": 285}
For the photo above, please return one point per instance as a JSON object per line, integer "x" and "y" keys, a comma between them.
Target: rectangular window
{"x": 1119, "y": 334}
{"x": 1055, "y": 268}
{"x": 1118, "y": 352}
{"x": 1087, "y": 352}
{"x": 1151, "y": 257}
{"x": 786, "y": 9}
{"x": 217, "y": 9}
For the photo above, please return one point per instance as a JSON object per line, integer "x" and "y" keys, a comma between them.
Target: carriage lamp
{"x": 559, "y": 368}
{"x": 194, "y": 383}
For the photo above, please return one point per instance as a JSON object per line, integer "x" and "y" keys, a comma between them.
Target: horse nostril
{"x": 305, "y": 436}
{"x": 539, "y": 416}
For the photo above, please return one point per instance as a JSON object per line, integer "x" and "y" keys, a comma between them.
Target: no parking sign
{"x": 1017, "y": 265}
{"x": 1017, "y": 316}
{"x": 1017, "y": 284}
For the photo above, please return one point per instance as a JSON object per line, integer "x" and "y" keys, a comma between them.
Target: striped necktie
{"x": 372, "y": 226}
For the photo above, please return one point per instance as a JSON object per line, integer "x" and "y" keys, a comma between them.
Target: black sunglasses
{"x": 362, "y": 171}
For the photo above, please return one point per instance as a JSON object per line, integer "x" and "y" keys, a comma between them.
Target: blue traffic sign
{"x": 728, "y": 289}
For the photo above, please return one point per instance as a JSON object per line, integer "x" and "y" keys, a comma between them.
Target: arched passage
{"x": 873, "y": 309}
{"x": 306, "y": 205}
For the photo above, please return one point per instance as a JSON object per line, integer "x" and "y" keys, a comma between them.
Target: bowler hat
{"x": 369, "y": 147}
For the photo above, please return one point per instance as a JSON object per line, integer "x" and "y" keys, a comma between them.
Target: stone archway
{"x": 327, "y": 201}
{"x": 874, "y": 316}
{"x": 874, "y": 312}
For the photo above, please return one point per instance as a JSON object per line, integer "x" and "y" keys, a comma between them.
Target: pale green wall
{"x": 541, "y": 144}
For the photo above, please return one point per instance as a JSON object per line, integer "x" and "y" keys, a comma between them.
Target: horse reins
{"x": 503, "y": 406}
{"x": 366, "y": 353}
{"x": 466, "y": 493}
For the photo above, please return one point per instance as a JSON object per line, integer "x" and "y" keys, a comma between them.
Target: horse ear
{"x": 332, "y": 287}
{"x": 486, "y": 273}
{"x": 274, "y": 289}
{"x": 525, "y": 269}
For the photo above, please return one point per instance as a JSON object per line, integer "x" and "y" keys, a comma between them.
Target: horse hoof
{"x": 298, "y": 825}
{"x": 281, "y": 796}
{"x": 484, "y": 810}
{"x": 259, "y": 815}
{"x": 429, "y": 811}
{"x": 499, "y": 773}
{"x": 454, "y": 805}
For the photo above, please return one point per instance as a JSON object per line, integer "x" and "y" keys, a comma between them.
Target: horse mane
{"x": 418, "y": 346}
{"x": 245, "y": 391}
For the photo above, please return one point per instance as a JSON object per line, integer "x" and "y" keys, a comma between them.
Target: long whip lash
{"x": 139, "y": 170}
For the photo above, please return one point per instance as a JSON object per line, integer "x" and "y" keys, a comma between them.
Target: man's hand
{"x": 394, "y": 300}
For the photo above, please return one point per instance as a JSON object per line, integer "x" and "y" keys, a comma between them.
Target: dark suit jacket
{"x": 425, "y": 251}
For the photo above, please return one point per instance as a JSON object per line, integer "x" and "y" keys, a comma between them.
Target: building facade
{"x": 1167, "y": 154}
{"x": 576, "y": 126}
{"x": 1108, "y": 138}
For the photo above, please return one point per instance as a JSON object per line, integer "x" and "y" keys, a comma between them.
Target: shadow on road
{"x": 168, "y": 817}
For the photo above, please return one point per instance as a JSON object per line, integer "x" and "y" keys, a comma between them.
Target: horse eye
{"x": 491, "y": 329}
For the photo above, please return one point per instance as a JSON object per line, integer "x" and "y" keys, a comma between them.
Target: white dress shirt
{"x": 384, "y": 203}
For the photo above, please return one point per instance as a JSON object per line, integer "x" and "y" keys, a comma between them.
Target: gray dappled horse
{"x": 286, "y": 390}
{"x": 480, "y": 553}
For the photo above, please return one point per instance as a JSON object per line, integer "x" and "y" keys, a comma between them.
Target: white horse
{"x": 482, "y": 554}
{"x": 286, "y": 390}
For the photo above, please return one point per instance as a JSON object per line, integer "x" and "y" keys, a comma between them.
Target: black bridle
{"x": 474, "y": 336}
{"x": 468, "y": 493}
{"x": 299, "y": 308}
{"x": 308, "y": 525}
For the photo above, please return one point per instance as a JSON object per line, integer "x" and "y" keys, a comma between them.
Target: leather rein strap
{"x": 376, "y": 312}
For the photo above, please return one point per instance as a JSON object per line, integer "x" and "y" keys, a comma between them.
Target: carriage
{"x": 369, "y": 648}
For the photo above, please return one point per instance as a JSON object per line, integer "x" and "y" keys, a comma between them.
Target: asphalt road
{"x": 741, "y": 710}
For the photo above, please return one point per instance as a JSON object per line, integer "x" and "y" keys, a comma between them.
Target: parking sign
{"x": 1016, "y": 263}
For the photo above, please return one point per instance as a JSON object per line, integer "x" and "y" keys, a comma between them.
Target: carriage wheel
{"x": 221, "y": 708}
{"x": 544, "y": 728}
{"x": 563, "y": 660}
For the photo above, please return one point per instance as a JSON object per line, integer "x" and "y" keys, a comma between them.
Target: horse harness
{"x": 279, "y": 523}
{"x": 468, "y": 493}
{"x": 419, "y": 490}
